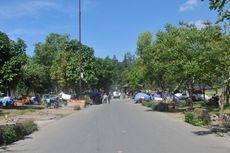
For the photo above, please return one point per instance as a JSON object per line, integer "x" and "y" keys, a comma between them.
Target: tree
{"x": 222, "y": 7}
{"x": 134, "y": 75}
{"x": 182, "y": 57}
{"x": 104, "y": 73}
{"x": 82, "y": 61}
{"x": 144, "y": 41}
{"x": 45, "y": 54}
{"x": 34, "y": 78}
{"x": 128, "y": 60}
{"x": 13, "y": 57}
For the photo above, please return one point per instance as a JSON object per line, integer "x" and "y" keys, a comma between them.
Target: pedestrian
{"x": 109, "y": 97}
{"x": 105, "y": 98}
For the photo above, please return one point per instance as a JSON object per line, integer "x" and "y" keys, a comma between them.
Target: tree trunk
{"x": 221, "y": 107}
{"x": 189, "y": 100}
{"x": 227, "y": 94}
{"x": 204, "y": 93}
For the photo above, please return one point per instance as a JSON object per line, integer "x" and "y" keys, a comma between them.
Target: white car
{"x": 116, "y": 94}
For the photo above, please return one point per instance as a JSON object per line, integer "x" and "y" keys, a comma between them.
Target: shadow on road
{"x": 149, "y": 110}
{"x": 202, "y": 133}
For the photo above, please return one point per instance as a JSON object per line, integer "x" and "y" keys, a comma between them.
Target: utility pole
{"x": 80, "y": 56}
{"x": 79, "y": 21}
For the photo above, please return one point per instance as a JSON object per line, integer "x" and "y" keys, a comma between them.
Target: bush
{"x": 202, "y": 114}
{"x": 12, "y": 133}
{"x": 9, "y": 135}
{"x": 189, "y": 117}
{"x": 199, "y": 122}
{"x": 183, "y": 104}
{"x": 161, "y": 107}
{"x": 27, "y": 127}
{"x": 192, "y": 119}
{"x": 147, "y": 104}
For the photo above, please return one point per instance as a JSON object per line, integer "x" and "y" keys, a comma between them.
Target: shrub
{"x": 154, "y": 106}
{"x": 192, "y": 119}
{"x": 12, "y": 133}
{"x": 199, "y": 122}
{"x": 27, "y": 127}
{"x": 161, "y": 107}
{"x": 189, "y": 117}
{"x": 147, "y": 104}
{"x": 183, "y": 104}
{"x": 9, "y": 135}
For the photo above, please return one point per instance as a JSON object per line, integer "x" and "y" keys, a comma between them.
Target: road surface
{"x": 119, "y": 127}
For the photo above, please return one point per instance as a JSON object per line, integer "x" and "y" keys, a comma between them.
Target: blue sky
{"x": 110, "y": 27}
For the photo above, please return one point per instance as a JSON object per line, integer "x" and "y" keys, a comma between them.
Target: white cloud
{"x": 31, "y": 32}
{"x": 199, "y": 24}
{"x": 19, "y": 32}
{"x": 27, "y": 8}
{"x": 189, "y": 5}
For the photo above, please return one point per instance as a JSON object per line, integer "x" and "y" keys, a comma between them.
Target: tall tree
{"x": 222, "y": 7}
{"x": 104, "y": 73}
{"x": 13, "y": 57}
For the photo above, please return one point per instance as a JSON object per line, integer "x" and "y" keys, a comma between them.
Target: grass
{"x": 200, "y": 104}
{"x": 227, "y": 110}
{"x": 20, "y": 110}
{"x": 15, "y": 112}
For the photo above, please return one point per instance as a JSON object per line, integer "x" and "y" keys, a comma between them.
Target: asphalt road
{"x": 119, "y": 127}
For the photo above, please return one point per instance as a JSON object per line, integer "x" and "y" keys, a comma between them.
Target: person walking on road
{"x": 109, "y": 97}
{"x": 105, "y": 98}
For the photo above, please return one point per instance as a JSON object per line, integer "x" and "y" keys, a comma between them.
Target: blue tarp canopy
{"x": 6, "y": 99}
{"x": 140, "y": 95}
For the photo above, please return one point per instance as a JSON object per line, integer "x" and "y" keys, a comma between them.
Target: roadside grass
{"x": 197, "y": 115}
{"x": 182, "y": 107}
{"x": 20, "y": 110}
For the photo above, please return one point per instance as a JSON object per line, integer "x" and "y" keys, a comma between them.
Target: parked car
{"x": 180, "y": 96}
{"x": 200, "y": 97}
{"x": 116, "y": 94}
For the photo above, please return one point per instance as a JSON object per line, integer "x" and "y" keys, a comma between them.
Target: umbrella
{"x": 141, "y": 95}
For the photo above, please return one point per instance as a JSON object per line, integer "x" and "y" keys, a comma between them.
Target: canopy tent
{"x": 141, "y": 95}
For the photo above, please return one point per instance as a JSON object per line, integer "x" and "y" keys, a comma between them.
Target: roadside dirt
{"x": 39, "y": 116}
{"x": 178, "y": 116}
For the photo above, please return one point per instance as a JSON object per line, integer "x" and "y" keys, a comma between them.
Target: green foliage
{"x": 135, "y": 75}
{"x": 12, "y": 59}
{"x": 199, "y": 122}
{"x": 27, "y": 127}
{"x": 181, "y": 57}
{"x": 9, "y": 135}
{"x": 183, "y": 104}
{"x": 35, "y": 77}
{"x": 222, "y": 7}
{"x": 161, "y": 107}
{"x": 63, "y": 60}
{"x": 104, "y": 72}
{"x": 12, "y": 133}
{"x": 191, "y": 119}
{"x": 148, "y": 104}
{"x": 154, "y": 106}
